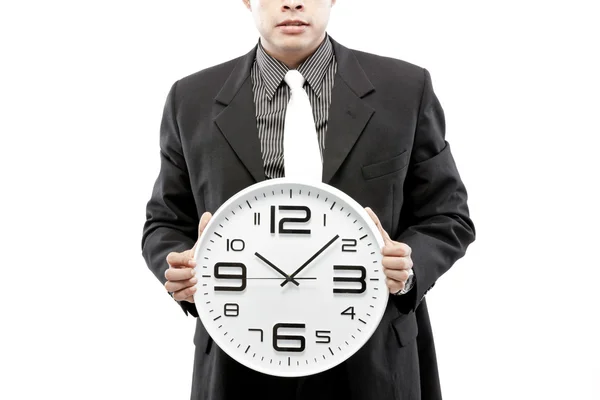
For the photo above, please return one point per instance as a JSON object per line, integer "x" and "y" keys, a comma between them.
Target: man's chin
{"x": 295, "y": 44}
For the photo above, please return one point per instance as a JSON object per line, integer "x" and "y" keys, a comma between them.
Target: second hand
{"x": 284, "y": 278}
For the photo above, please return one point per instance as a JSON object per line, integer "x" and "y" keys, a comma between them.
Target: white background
{"x": 83, "y": 86}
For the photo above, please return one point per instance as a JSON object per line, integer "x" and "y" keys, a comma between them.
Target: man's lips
{"x": 292, "y": 26}
{"x": 292, "y": 22}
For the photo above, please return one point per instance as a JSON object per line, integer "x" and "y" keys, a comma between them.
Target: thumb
{"x": 201, "y": 226}
{"x": 386, "y": 238}
{"x": 387, "y": 241}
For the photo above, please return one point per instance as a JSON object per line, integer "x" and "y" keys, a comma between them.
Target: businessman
{"x": 381, "y": 133}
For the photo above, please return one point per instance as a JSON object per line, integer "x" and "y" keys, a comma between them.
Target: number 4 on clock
{"x": 349, "y": 311}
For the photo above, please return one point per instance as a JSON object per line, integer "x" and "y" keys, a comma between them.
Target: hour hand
{"x": 322, "y": 249}
{"x": 270, "y": 264}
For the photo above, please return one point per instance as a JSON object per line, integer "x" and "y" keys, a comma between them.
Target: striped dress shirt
{"x": 272, "y": 94}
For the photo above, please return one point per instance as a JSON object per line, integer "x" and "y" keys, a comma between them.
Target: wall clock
{"x": 290, "y": 281}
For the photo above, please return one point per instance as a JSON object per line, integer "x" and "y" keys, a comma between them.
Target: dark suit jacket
{"x": 385, "y": 147}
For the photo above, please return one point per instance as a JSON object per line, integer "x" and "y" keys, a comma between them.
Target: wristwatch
{"x": 408, "y": 285}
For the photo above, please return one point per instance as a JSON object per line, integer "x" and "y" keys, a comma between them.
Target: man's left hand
{"x": 397, "y": 261}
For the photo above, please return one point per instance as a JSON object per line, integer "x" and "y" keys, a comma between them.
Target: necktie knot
{"x": 294, "y": 79}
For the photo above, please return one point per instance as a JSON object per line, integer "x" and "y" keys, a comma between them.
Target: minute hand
{"x": 288, "y": 279}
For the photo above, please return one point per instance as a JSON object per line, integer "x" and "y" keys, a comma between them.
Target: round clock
{"x": 290, "y": 281}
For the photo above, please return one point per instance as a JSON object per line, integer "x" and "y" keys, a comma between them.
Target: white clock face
{"x": 290, "y": 281}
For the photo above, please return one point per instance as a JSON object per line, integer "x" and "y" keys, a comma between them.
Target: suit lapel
{"x": 237, "y": 121}
{"x": 348, "y": 113}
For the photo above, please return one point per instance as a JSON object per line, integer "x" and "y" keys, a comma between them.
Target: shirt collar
{"x": 313, "y": 69}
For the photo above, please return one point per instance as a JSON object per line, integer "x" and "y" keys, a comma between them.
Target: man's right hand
{"x": 180, "y": 275}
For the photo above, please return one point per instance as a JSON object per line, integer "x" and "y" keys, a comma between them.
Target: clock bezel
{"x": 272, "y": 184}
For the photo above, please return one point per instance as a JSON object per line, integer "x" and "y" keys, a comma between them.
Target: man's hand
{"x": 397, "y": 261}
{"x": 180, "y": 275}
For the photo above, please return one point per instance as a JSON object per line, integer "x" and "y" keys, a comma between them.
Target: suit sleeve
{"x": 435, "y": 219}
{"x": 171, "y": 216}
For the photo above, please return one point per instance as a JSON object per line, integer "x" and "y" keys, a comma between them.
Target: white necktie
{"x": 301, "y": 152}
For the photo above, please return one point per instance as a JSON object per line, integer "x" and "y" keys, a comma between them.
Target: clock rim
{"x": 282, "y": 181}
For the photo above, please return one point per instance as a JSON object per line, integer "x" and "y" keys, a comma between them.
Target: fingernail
{"x": 192, "y": 263}
{"x": 194, "y": 280}
{"x": 193, "y": 272}
{"x": 193, "y": 289}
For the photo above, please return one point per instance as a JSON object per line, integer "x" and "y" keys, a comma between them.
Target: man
{"x": 381, "y": 132}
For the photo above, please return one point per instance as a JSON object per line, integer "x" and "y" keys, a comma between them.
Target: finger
{"x": 189, "y": 299}
{"x": 204, "y": 219}
{"x": 180, "y": 260}
{"x": 175, "y": 286}
{"x": 203, "y": 222}
{"x": 184, "y": 294}
{"x": 394, "y": 286}
{"x": 373, "y": 217}
{"x": 386, "y": 237}
{"x": 397, "y": 249}
{"x": 398, "y": 275}
{"x": 179, "y": 274}
{"x": 394, "y": 262}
